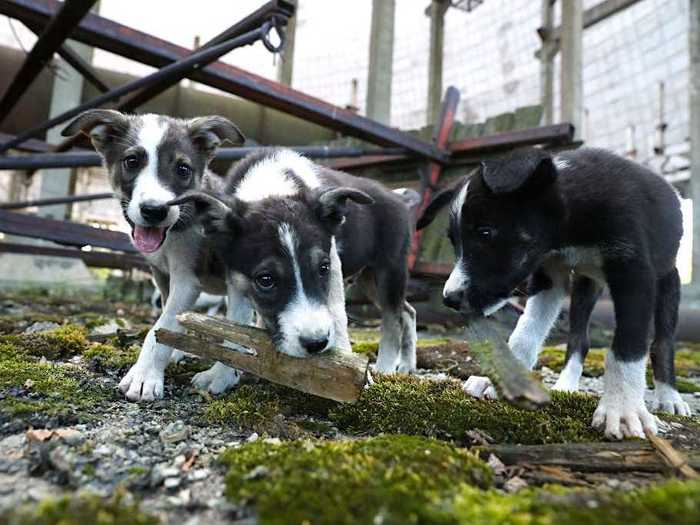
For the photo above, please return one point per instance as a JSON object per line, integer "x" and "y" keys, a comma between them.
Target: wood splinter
{"x": 334, "y": 374}
{"x": 512, "y": 380}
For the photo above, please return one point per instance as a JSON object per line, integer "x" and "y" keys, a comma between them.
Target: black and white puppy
{"x": 585, "y": 216}
{"x": 286, "y": 225}
{"x": 151, "y": 159}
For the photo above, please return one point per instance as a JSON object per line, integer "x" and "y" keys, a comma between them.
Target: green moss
{"x": 43, "y": 387}
{"x": 371, "y": 347}
{"x": 103, "y": 356}
{"x": 61, "y": 343}
{"x": 409, "y": 405}
{"x": 387, "y": 479}
{"x": 687, "y": 387}
{"x": 673, "y": 502}
{"x": 83, "y": 509}
{"x": 248, "y": 407}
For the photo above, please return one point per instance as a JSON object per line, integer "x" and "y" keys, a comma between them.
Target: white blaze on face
{"x": 269, "y": 177}
{"x": 458, "y": 281}
{"x": 147, "y": 186}
{"x": 302, "y": 317}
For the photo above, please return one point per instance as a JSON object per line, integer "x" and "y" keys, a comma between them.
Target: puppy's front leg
{"x": 336, "y": 301}
{"x": 219, "y": 378}
{"x": 621, "y": 411}
{"x": 144, "y": 381}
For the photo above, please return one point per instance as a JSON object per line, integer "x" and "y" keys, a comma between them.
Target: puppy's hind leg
{"x": 584, "y": 295}
{"x": 407, "y": 361}
{"x": 668, "y": 295}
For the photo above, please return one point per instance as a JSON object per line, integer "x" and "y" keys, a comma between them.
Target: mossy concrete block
{"x": 528, "y": 117}
{"x": 499, "y": 124}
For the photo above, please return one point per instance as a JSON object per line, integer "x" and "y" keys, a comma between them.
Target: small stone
{"x": 175, "y": 432}
{"x": 258, "y": 472}
{"x": 170, "y": 472}
{"x": 103, "y": 450}
{"x": 41, "y": 326}
{"x": 28, "y": 384}
{"x": 253, "y": 437}
{"x": 496, "y": 464}
{"x": 172, "y": 483}
{"x": 696, "y": 394}
{"x": 179, "y": 460}
{"x": 199, "y": 474}
{"x": 515, "y": 484}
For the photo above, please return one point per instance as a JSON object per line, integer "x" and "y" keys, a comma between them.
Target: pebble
{"x": 175, "y": 432}
{"x": 171, "y": 483}
{"x": 515, "y": 484}
{"x": 199, "y": 474}
{"x": 253, "y": 437}
{"x": 41, "y": 326}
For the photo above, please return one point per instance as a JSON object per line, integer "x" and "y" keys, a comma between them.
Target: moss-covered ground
{"x": 401, "y": 454}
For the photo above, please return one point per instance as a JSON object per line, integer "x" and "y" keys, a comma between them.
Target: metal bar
{"x": 557, "y": 134}
{"x": 441, "y": 134}
{"x": 172, "y": 70}
{"x": 88, "y": 159}
{"x": 135, "y": 45}
{"x": 76, "y": 62}
{"x": 50, "y": 39}
{"x": 98, "y": 259}
{"x": 280, "y": 10}
{"x": 63, "y": 232}
{"x": 55, "y": 200}
{"x": 32, "y": 145}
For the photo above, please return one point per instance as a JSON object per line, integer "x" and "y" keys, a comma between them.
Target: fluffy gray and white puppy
{"x": 152, "y": 159}
{"x": 290, "y": 230}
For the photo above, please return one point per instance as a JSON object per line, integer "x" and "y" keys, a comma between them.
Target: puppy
{"x": 151, "y": 159}
{"x": 284, "y": 228}
{"x": 585, "y": 216}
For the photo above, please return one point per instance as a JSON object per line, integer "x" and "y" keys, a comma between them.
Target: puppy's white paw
{"x": 405, "y": 367}
{"x": 480, "y": 387}
{"x": 667, "y": 399}
{"x": 142, "y": 383}
{"x": 626, "y": 418}
{"x": 387, "y": 364}
{"x": 176, "y": 356}
{"x": 217, "y": 380}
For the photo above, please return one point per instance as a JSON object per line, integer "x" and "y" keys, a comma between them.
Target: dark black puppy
{"x": 286, "y": 225}
{"x": 590, "y": 217}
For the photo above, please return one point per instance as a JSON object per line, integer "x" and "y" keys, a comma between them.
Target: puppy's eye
{"x": 324, "y": 267}
{"x": 485, "y": 233}
{"x": 131, "y": 162}
{"x": 265, "y": 281}
{"x": 184, "y": 170}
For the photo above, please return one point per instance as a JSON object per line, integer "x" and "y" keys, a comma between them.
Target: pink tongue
{"x": 148, "y": 240}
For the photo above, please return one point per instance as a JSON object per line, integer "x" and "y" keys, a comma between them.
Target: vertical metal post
{"x": 381, "y": 58}
{"x": 547, "y": 53}
{"x": 285, "y": 66}
{"x": 437, "y": 10}
{"x": 572, "y": 64}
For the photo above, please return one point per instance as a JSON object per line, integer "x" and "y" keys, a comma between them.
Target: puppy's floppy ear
{"x": 530, "y": 169}
{"x": 102, "y": 126}
{"x": 207, "y": 133}
{"x": 331, "y": 205}
{"x": 215, "y": 214}
{"x": 440, "y": 200}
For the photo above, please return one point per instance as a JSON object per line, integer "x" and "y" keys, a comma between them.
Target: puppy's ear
{"x": 332, "y": 205}
{"x": 102, "y": 126}
{"x": 440, "y": 200}
{"x": 207, "y": 133}
{"x": 214, "y": 213}
{"x": 523, "y": 170}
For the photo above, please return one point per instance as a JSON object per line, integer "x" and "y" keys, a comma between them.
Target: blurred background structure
{"x": 621, "y": 71}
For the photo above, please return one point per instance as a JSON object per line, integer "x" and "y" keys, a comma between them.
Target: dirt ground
{"x": 411, "y": 450}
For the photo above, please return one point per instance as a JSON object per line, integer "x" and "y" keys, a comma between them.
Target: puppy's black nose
{"x": 453, "y": 300}
{"x": 314, "y": 346}
{"x": 153, "y": 212}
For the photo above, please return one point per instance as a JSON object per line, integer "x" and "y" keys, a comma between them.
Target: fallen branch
{"x": 512, "y": 381}
{"x": 626, "y": 456}
{"x": 334, "y": 374}
{"x": 671, "y": 457}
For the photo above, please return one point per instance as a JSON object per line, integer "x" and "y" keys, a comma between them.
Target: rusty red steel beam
{"x": 440, "y": 136}
{"x": 98, "y": 259}
{"x": 64, "y": 232}
{"x": 147, "y": 49}
{"x": 553, "y": 135}
{"x": 67, "y": 16}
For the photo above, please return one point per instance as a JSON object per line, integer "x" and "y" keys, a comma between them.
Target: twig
{"x": 670, "y": 456}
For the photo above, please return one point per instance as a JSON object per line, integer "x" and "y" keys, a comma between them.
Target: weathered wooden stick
{"x": 334, "y": 374}
{"x": 671, "y": 456}
{"x": 513, "y": 382}
{"x": 625, "y": 456}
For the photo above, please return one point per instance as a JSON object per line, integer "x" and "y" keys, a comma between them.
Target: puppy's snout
{"x": 153, "y": 212}
{"x": 314, "y": 345}
{"x": 453, "y": 300}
